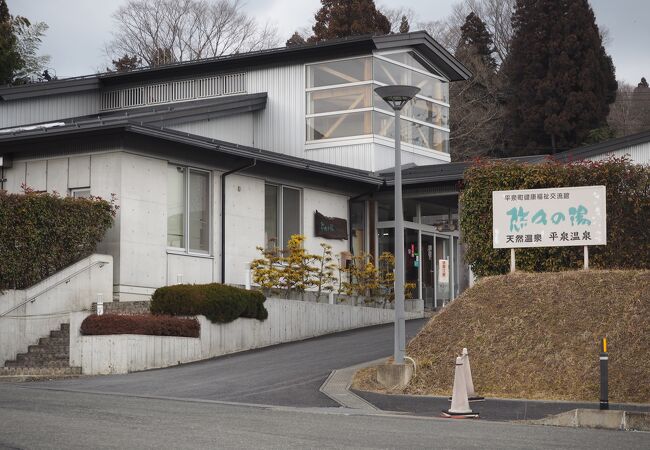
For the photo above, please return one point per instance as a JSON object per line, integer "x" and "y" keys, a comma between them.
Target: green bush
{"x": 218, "y": 302}
{"x": 41, "y": 234}
{"x": 628, "y": 214}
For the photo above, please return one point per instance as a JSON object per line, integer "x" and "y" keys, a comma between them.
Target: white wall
{"x": 237, "y": 129}
{"x": 639, "y": 154}
{"x": 244, "y": 224}
{"x": 47, "y": 109}
{"x": 24, "y": 326}
{"x": 288, "y": 320}
{"x": 328, "y": 204}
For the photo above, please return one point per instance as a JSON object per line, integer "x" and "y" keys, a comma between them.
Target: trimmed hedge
{"x": 218, "y": 302}
{"x": 628, "y": 214}
{"x": 146, "y": 324}
{"x": 41, "y": 234}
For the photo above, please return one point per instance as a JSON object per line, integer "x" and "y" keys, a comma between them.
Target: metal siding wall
{"x": 384, "y": 158}
{"x": 47, "y": 109}
{"x": 356, "y": 156}
{"x": 640, "y": 154}
{"x": 281, "y": 126}
{"x": 237, "y": 129}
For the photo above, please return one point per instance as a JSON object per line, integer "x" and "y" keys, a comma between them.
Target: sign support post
{"x": 586, "y": 257}
{"x": 513, "y": 265}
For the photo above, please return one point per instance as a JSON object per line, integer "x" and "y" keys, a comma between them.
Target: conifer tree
{"x": 560, "y": 79}
{"x": 404, "y": 26}
{"x": 295, "y": 39}
{"x": 343, "y": 18}
{"x": 476, "y": 114}
{"x": 10, "y": 58}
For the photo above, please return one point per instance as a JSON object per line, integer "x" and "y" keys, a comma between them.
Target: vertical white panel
{"x": 36, "y": 175}
{"x": 15, "y": 177}
{"x": 57, "y": 176}
{"x": 47, "y": 109}
{"x": 237, "y": 129}
{"x": 79, "y": 175}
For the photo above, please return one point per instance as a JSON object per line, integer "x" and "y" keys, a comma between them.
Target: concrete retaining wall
{"x": 289, "y": 320}
{"x": 67, "y": 292}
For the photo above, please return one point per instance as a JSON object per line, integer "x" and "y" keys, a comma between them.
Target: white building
{"x": 210, "y": 159}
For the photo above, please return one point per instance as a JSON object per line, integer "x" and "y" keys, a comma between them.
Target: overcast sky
{"x": 80, "y": 28}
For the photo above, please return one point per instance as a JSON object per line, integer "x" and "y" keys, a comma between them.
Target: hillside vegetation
{"x": 537, "y": 335}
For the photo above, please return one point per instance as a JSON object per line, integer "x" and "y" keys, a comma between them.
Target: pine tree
{"x": 404, "y": 26}
{"x": 126, "y": 63}
{"x": 560, "y": 79}
{"x": 476, "y": 114}
{"x": 295, "y": 39}
{"x": 10, "y": 59}
{"x": 343, "y": 18}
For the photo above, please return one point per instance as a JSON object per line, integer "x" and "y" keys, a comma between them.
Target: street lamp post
{"x": 397, "y": 97}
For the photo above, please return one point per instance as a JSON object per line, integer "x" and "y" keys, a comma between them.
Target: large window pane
{"x": 388, "y": 73}
{"x": 339, "y": 99}
{"x": 410, "y": 59}
{"x": 412, "y": 133}
{"x": 271, "y": 216}
{"x": 175, "y": 206}
{"x": 199, "y": 214}
{"x": 339, "y": 72}
{"x": 290, "y": 214}
{"x": 339, "y": 125}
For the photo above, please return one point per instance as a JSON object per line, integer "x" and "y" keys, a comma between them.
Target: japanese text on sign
{"x": 557, "y": 217}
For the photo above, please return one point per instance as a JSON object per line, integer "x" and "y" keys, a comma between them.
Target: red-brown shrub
{"x": 140, "y": 324}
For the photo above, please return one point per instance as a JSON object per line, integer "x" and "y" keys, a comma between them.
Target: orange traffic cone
{"x": 459, "y": 402}
{"x": 471, "y": 393}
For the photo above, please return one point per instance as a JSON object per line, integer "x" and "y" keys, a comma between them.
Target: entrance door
{"x": 443, "y": 272}
{"x": 428, "y": 271}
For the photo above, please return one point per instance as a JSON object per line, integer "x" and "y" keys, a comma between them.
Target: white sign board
{"x": 443, "y": 271}
{"x": 556, "y": 217}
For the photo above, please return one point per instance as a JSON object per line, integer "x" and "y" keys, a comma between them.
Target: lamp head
{"x": 397, "y": 95}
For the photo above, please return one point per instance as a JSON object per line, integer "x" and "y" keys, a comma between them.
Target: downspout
{"x": 223, "y": 214}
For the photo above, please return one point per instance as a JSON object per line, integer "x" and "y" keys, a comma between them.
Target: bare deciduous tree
{"x": 184, "y": 30}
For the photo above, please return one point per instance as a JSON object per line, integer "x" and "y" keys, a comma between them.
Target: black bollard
{"x": 604, "y": 358}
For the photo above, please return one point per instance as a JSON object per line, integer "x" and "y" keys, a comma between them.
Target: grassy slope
{"x": 537, "y": 336}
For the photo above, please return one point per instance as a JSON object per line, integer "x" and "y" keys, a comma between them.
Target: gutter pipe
{"x": 223, "y": 214}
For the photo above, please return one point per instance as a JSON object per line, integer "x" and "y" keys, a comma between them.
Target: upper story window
{"x": 341, "y": 102}
{"x": 188, "y": 209}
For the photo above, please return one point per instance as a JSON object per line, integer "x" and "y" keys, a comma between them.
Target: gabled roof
{"x": 335, "y": 48}
{"x": 601, "y": 148}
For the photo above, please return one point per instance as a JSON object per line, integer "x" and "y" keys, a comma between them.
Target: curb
{"x": 590, "y": 418}
{"x": 337, "y": 387}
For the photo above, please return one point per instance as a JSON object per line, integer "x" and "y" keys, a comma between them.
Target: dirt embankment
{"x": 537, "y": 336}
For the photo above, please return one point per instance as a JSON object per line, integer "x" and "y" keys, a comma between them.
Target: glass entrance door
{"x": 428, "y": 271}
{"x": 442, "y": 271}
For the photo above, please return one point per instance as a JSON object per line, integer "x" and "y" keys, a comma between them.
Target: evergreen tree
{"x": 126, "y": 63}
{"x": 560, "y": 79}
{"x": 295, "y": 39}
{"x": 343, "y": 18}
{"x": 404, "y": 26}
{"x": 476, "y": 114}
{"x": 10, "y": 59}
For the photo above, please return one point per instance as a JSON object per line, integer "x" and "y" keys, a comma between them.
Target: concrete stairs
{"x": 49, "y": 358}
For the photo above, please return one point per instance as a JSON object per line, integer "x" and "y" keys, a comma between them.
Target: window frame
{"x": 186, "y": 214}
{"x": 280, "y": 212}
{"x": 374, "y": 109}
{"x": 74, "y": 191}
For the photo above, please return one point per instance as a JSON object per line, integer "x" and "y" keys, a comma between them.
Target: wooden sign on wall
{"x": 330, "y": 227}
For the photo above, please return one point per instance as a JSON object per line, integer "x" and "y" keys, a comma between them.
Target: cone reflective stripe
{"x": 459, "y": 401}
{"x": 471, "y": 393}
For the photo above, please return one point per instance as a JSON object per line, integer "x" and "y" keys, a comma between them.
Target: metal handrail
{"x": 33, "y": 298}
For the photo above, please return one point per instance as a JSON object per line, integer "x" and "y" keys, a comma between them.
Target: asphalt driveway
{"x": 285, "y": 375}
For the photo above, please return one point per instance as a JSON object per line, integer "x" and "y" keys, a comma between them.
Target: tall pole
{"x": 400, "y": 335}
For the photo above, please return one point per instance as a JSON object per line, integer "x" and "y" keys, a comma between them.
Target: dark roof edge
{"x": 66, "y": 86}
{"x": 610, "y": 145}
